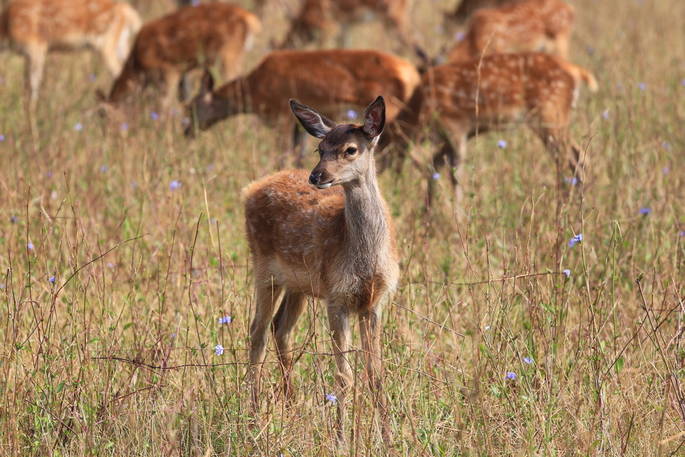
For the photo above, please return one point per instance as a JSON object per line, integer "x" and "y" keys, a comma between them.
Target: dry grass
{"x": 143, "y": 272}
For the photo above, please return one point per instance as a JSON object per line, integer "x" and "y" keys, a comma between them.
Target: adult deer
{"x": 521, "y": 26}
{"x": 191, "y": 37}
{"x": 336, "y": 243}
{"x": 457, "y": 101}
{"x": 329, "y": 79}
{"x": 36, "y": 27}
{"x": 318, "y": 20}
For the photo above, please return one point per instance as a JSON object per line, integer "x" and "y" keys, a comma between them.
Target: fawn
{"x": 457, "y": 101}
{"x": 36, "y": 27}
{"x": 317, "y": 20}
{"x": 189, "y": 38}
{"x": 521, "y": 26}
{"x": 330, "y": 79}
{"x": 336, "y": 243}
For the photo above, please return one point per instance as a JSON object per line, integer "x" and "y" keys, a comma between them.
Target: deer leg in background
{"x": 283, "y": 323}
{"x": 266, "y": 294}
{"x": 370, "y": 331}
{"x": 339, "y": 321}
{"x": 299, "y": 144}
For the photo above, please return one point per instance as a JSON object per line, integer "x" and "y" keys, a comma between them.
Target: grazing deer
{"x": 330, "y": 79}
{"x": 336, "y": 243}
{"x": 457, "y": 101}
{"x": 189, "y": 38}
{"x": 317, "y": 20}
{"x": 36, "y": 27}
{"x": 466, "y": 8}
{"x": 522, "y": 26}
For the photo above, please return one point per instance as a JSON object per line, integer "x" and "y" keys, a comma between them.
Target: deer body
{"x": 335, "y": 242}
{"x": 457, "y": 101}
{"x": 318, "y": 19}
{"x": 193, "y": 36}
{"x": 36, "y": 27}
{"x": 522, "y": 26}
{"x": 329, "y": 79}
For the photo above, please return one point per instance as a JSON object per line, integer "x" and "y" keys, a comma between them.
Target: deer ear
{"x": 374, "y": 118}
{"x": 207, "y": 84}
{"x": 314, "y": 123}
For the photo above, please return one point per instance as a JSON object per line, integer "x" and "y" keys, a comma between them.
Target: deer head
{"x": 346, "y": 150}
{"x": 206, "y": 109}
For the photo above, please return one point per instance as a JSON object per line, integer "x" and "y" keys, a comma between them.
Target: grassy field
{"x": 122, "y": 246}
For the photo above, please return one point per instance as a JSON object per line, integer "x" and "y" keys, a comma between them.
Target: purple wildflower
{"x": 52, "y": 279}
{"x": 173, "y": 185}
{"x": 29, "y": 246}
{"x": 154, "y": 115}
{"x": 218, "y": 349}
{"x": 435, "y": 176}
{"x": 510, "y": 376}
{"x": 123, "y": 127}
{"x": 351, "y": 114}
{"x": 605, "y": 114}
{"x": 459, "y": 36}
{"x": 14, "y": 219}
{"x": 104, "y": 168}
{"x": 575, "y": 240}
{"x": 642, "y": 86}
{"x": 78, "y": 127}
{"x": 501, "y": 144}
{"x": 2, "y": 137}
{"x": 331, "y": 398}
{"x": 645, "y": 210}
{"x": 572, "y": 180}
{"x": 566, "y": 272}
{"x": 528, "y": 360}
{"x": 225, "y": 320}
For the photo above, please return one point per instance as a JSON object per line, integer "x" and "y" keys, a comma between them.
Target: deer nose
{"x": 315, "y": 177}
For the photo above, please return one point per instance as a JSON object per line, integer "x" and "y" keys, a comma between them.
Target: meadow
{"x": 122, "y": 246}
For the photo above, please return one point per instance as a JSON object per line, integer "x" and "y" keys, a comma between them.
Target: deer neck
{"x": 367, "y": 227}
{"x": 233, "y": 97}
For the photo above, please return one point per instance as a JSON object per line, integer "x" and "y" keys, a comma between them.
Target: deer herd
{"x": 328, "y": 234}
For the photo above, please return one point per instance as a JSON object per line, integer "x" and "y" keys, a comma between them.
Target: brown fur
{"x": 191, "y": 37}
{"x": 459, "y": 100}
{"x": 318, "y": 20}
{"x": 523, "y": 26}
{"x": 328, "y": 79}
{"x": 335, "y": 243}
{"x": 36, "y": 27}
{"x": 465, "y": 8}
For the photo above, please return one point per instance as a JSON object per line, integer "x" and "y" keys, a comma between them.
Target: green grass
{"x": 143, "y": 273}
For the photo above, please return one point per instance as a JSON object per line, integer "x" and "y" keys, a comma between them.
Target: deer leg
{"x": 265, "y": 299}
{"x": 35, "y": 66}
{"x": 286, "y": 317}
{"x": 370, "y": 331}
{"x": 172, "y": 79}
{"x": 339, "y": 321}
{"x": 562, "y": 45}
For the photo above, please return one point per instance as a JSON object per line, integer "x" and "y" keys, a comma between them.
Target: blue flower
{"x": 29, "y": 246}
{"x": 154, "y": 115}
{"x": 605, "y": 114}
{"x": 435, "y": 176}
{"x": 225, "y": 320}
{"x": 14, "y": 219}
{"x": 459, "y": 36}
{"x": 642, "y": 86}
{"x": 572, "y": 180}
{"x": 331, "y": 398}
{"x": 78, "y": 126}
{"x": 681, "y": 233}
{"x": 104, "y": 168}
{"x": 501, "y": 144}
{"x": 575, "y": 240}
{"x": 566, "y": 272}
{"x": 351, "y": 114}
{"x": 528, "y": 360}
{"x": 510, "y": 375}
{"x": 173, "y": 185}
{"x": 123, "y": 127}
{"x": 645, "y": 210}
{"x": 52, "y": 279}
{"x": 2, "y": 137}
{"x": 218, "y": 349}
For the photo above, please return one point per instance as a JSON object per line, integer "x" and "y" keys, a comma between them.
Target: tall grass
{"x": 117, "y": 355}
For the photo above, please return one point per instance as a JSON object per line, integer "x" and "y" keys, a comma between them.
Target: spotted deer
{"x": 36, "y": 27}
{"x": 457, "y": 101}
{"x": 521, "y": 26}
{"x": 320, "y": 20}
{"x": 189, "y": 38}
{"x": 329, "y": 79}
{"x": 327, "y": 235}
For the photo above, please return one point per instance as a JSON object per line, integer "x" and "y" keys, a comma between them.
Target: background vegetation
{"x": 122, "y": 246}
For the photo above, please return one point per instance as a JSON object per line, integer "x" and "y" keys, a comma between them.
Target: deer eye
{"x": 350, "y": 151}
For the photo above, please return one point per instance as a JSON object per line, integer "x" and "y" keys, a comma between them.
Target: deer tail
{"x": 581, "y": 74}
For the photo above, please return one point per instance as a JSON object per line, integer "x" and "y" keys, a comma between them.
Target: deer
{"x": 35, "y": 28}
{"x": 457, "y": 101}
{"x": 317, "y": 20}
{"x": 327, "y": 234}
{"x": 192, "y": 37}
{"x": 330, "y": 79}
{"x": 520, "y": 26}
